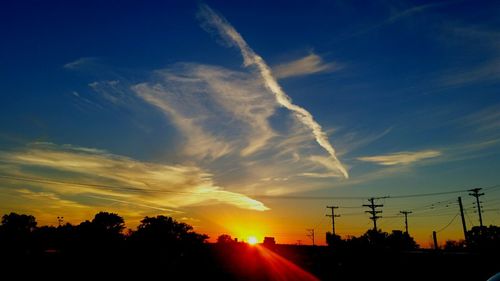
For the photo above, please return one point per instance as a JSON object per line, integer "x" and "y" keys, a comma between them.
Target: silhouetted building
{"x": 269, "y": 241}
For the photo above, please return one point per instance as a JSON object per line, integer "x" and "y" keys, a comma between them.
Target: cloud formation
{"x": 309, "y": 64}
{"x": 486, "y": 120}
{"x": 76, "y": 64}
{"x": 217, "y": 110}
{"x": 485, "y": 69}
{"x": 250, "y": 58}
{"x": 401, "y": 158}
{"x": 118, "y": 178}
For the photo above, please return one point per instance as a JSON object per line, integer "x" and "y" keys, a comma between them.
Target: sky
{"x": 250, "y": 117}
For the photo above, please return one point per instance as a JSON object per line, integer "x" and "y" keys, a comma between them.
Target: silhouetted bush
{"x": 16, "y": 233}
{"x": 484, "y": 238}
{"x": 225, "y": 239}
{"x": 374, "y": 239}
{"x": 452, "y": 245}
{"x": 164, "y": 236}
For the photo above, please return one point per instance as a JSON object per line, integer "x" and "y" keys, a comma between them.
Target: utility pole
{"x": 333, "y": 216}
{"x": 373, "y": 211}
{"x": 475, "y": 193}
{"x": 406, "y": 218}
{"x": 463, "y": 218}
{"x": 434, "y": 238}
{"x": 310, "y": 234}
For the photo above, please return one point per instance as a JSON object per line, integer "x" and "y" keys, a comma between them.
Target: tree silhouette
{"x": 334, "y": 240}
{"x": 168, "y": 244}
{"x": 165, "y": 231}
{"x": 102, "y": 234}
{"x": 399, "y": 240}
{"x": 18, "y": 224}
{"x": 109, "y": 223}
{"x": 452, "y": 245}
{"x": 15, "y": 233}
{"x": 374, "y": 239}
{"x": 484, "y": 238}
{"x": 225, "y": 239}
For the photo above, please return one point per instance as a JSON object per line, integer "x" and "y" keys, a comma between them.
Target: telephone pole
{"x": 406, "y": 218}
{"x": 475, "y": 193}
{"x": 463, "y": 218}
{"x": 373, "y": 211}
{"x": 333, "y": 216}
{"x": 310, "y": 234}
{"x": 434, "y": 239}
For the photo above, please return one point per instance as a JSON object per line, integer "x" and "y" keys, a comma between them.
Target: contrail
{"x": 232, "y": 37}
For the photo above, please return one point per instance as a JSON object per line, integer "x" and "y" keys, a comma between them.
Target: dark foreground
{"x": 244, "y": 262}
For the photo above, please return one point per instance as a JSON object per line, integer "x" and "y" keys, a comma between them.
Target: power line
{"x": 282, "y": 197}
{"x": 426, "y": 194}
{"x": 468, "y": 218}
{"x": 492, "y": 187}
{"x": 453, "y": 219}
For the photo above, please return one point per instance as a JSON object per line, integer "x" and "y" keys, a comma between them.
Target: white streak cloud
{"x": 120, "y": 178}
{"x": 401, "y": 158}
{"x": 250, "y": 58}
{"x": 309, "y": 64}
{"x": 217, "y": 110}
{"x": 76, "y": 64}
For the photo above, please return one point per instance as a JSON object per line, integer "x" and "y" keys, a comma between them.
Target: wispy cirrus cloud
{"x": 488, "y": 71}
{"x": 486, "y": 120}
{"x": 228, "y": 122}
{"x": 401, "y": 158}
{"x": 218, "y": 110}
{"x": 485, "y": 70}
{"x": 307, "y": 65}
{"x": 76, "y": 64}
{"x": 250, "y": 58}
{"x": 119, "y": 178}
{"x": 401, "y": 14}
{"x": 224, "y": 119}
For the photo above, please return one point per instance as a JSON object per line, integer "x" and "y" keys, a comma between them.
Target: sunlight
{"x": 252, "y": 240}
{"x": 280, "y": 268}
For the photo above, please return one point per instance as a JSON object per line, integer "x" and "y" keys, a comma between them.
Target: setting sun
{"x": 252, "y": 240}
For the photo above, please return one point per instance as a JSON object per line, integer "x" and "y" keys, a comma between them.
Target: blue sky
{"x": 158, "y": 97}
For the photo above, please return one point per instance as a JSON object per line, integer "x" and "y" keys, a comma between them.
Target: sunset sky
{"x": 249, "y": 118}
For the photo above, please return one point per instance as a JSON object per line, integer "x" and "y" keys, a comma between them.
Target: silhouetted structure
{"x": 162, "y": 246}
{"x": 406, "y": 213}
{"x": 269, "y": 241}
{"x": 373, "y": 211}
{"x": 475, "y": 193}
{"x": 333, "y": 216}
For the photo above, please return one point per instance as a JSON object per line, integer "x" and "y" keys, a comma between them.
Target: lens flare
{"x": 252, "y": 240}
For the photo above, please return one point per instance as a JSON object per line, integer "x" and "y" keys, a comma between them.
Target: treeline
{"x": 374, "y": 239}
{"x": 100, "y": 244}
{"x": 20, "y": 235}
{"x": 479, "y": 239}
{"x": 486, "y": 238}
